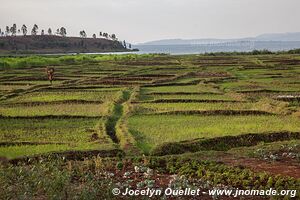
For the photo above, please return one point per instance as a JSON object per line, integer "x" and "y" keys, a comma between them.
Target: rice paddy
{"x": 173, "y": 98}
{"x": 134, "y": 105}
{"x": 66, "y": 96}
{"x": 184, "y": 89}
{"x": 153, "y": 130}
{"x": 165, "y": 107}
{"x": 56, "y": 109}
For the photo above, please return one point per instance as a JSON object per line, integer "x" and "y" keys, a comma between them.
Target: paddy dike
{"x": 67, "y": 155}
{"x": 117, "y": 113}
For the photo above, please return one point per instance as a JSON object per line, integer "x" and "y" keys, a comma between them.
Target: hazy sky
{"x": 145, "y": 20}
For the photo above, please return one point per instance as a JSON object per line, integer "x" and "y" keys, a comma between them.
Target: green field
{"x": 172, "y": 98}
{"x": 187, "y": 89}
{"x": 75, "y": 109}
{"x": 153, "y": 130}
{"x": 66, "y": 96}
{"x": 193, "y": 115}
{"x": 164, "y": 107}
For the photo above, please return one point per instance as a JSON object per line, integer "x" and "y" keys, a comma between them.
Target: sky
{"x": 138, "y": 21}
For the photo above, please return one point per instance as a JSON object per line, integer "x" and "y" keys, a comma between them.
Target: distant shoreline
{"x": 220, "y": 53}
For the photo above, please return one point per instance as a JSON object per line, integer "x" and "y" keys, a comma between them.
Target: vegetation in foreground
{"x": 95, "y": 178}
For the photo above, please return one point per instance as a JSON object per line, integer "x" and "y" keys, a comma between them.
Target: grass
{"x": 52, "y": 135}
{"x": 37, "y": 61}
{"x": 28, "y": 83}
{"x": 186, "y": 80}
{"x": 268, "y": 148}
{"x": 189, "y": 88}
{"x": 70, "y": 109}
{"x": 165, "y": 107}
{"x": 47, "y": 130}
{"x": 152, "y": 130}
{"x": 110, "y": 103}
{"x": 13, "y": 87}
{"x": 16, "y": 151}
{"x": 197, "y": 97}
{"x": 261, "y": 85}
{"x": 268, "y": 78}
{"x": 66, "y": 96}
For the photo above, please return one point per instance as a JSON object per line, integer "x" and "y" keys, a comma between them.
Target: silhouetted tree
{"x": 7, "y": 30}
{"x": 94, "y": 36}
{"x": 63, "y": 31}
{"x": 42, "y": 32}
{"x": 24, "y": 29}
{"x": 113, "y": 36}
{"x": 34, "y": 30}
{"x": 49, "y": 31}
{"x": 82, "y": 34}
{"x": 13, "y": 30}
{"x": 124, "y": 44}
{"x": 100, "y": 34}
{"x": 105, "y": 35}
{"x": 57, "y": 31}
{"x": 129, "y": 46}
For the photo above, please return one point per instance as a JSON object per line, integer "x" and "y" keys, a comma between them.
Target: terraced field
{"x": 211, "y": 108}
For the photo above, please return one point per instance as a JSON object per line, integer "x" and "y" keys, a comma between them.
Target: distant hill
{"x": 265, "y": 37}
{"x": 187, "y": 41}
{"x": 279, "y": 37}
{"x": 57, "y": 44}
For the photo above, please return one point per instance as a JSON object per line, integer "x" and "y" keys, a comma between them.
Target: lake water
{"x": 222, "y": 47}
{"x": 206, "y": 48}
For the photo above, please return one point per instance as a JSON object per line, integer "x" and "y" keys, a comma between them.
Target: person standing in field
{"x": 50, "y": 74}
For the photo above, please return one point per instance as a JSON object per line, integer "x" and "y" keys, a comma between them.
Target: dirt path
{"x": 284, "y": 168}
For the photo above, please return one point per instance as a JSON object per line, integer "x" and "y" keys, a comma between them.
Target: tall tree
{"x": 105, "y": 35}
{"x": 113, "y": 36}
{"x": 57, "y": 31}
{"x": 49, "y": 31}
{"x": 13, "y": 30}
{"x": 94, "y": 36}
{"x": 34, "y": 30}
{"x": 63, "y": 31}
{"x": 124, "y": 44}
{"x": 100, "y": 34}
{"x": 42, "y": 32}
{"x": 24, "y": 29}
{"x": 82, "y": 34}
{"x": 7, "y": 30}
